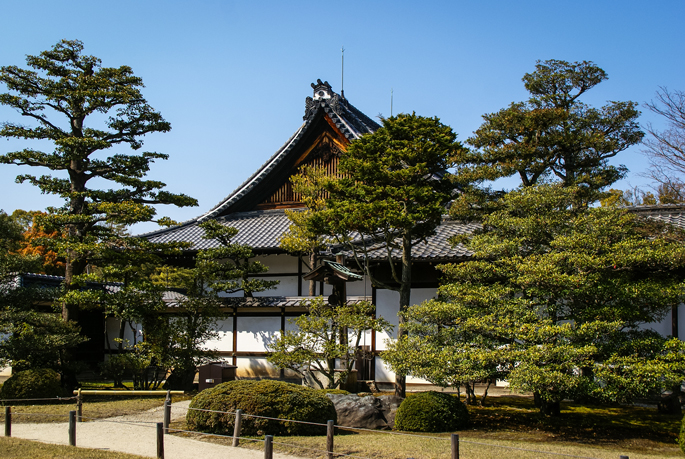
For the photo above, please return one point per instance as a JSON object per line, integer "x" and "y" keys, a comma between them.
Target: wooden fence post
{"x": 79, "y": 406}
{"x": 268, "y": 447}
{"x": 236, "y": 427}
{"x": 330, "y": 431}
{"x": 72, "y": 428}
{"x": 8, "y": 421}
{"x": 160, "y": 440}
{"x": 455, "y": 446}
{"x": 623, "y": 457}
{"x": 168, "y": 395}
{"x": 167, "y": 415}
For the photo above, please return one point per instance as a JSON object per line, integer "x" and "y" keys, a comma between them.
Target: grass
{"x": 97, "y": 407}
{"x": 515, "y": 423}
{"x": 11, "y": 448}
{"x": 94, "y": 406}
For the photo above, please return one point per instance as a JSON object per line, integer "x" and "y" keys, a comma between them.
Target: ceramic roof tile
{"x": 261, "y": 230}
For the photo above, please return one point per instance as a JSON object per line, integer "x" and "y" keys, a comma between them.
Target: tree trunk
{"x": 312, "y": 283}
{"x": 405, "y": 299}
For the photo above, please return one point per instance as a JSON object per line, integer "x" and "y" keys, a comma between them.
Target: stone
{"x": 367, "y": 412}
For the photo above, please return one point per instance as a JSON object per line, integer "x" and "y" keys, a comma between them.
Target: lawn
{"x": 94, "y": 406}
{"x": 508, "y": 425}
{"x": 14, "y": 448}
{"x": 510, "y": 422}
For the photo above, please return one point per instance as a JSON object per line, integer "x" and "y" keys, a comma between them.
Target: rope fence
{"x": 163, "y": 429}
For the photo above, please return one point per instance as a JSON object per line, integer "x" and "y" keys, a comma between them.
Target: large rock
{"x": 366, "y": 412}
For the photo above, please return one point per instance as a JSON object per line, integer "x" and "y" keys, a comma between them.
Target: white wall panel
{"x": 359, "y": 288}
{"x": 287, "y": 286}
{"x": 279, "y": 264}
{"x": 387, "y": 306}
{"x": 254, "y": 332}
{"x": 112, "y": 325}
{"x": 224, "y": 342}
{"x": 383, "y": 373}
{"x": 664, "y": 327}
{"x": 255, "y": 367}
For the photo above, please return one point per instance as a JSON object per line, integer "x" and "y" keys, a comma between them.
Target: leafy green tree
{"x": 34, "y": 336}
{"x": 391, "y": 195}
{"x": 556, "y": 295}
{"x": 554, "y": 134}
{"x": 301, "y": 239}
{"x": 66, "y": 93}
{"x": 227, "y": 268}
{"x": 315, "y": 345}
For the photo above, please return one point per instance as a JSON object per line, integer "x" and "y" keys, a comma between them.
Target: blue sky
{"x": 232, "y": 76}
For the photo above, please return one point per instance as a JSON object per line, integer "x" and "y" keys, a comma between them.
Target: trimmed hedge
{"x": 38, "y": 383}
{"x": 274, "y": 399}
{"x": 431, "y": 412}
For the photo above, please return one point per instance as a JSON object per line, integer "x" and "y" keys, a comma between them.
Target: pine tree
{"x": 66, "y": 93}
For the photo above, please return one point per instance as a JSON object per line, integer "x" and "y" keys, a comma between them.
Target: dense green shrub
{"x": 274, "y": 399}
{"x": 39, "y": 383}
{"x": 431, "y": 412}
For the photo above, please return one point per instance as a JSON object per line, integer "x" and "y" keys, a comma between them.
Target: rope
{"x": 389, "y": 432}
{"x": 90, "y": 419}
{"x": 286, "y": 420}
{"x": 211, "y": 411}
{"x": 214, "y": 435}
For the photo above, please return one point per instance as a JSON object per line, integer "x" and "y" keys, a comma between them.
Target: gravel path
{"x": 135, "y": 434}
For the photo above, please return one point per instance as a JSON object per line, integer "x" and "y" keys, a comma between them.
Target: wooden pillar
{"x": 235, "y": 336}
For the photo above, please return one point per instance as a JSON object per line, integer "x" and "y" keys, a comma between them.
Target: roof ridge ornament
{"x": 323, "y": 95}
{"x": 322, "y": 90}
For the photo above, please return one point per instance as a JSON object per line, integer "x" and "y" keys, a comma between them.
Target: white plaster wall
{"x": 224, "y": 342}
{"x": 255, "y": 367}
{"x": 254, "y": 332}
{"x": 387, "y": 306}
{"x": 359, "y": 288}
{"x": 383, "y": 373}
{"x": 279, "y": 264}
{"x": 665, "y": 328}
{"x": 289, "y": 325}
{"x": 112, "y": 325}
{"x": 287, "y": 286}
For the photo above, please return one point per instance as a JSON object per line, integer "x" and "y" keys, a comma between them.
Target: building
{"x": 256, "y": 208}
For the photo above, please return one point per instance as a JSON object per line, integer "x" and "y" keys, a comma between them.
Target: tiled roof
{"x": 437, "y": 247}
{"x": 267, "y": 301}
{"x": 673, "y": 214}
{"x": 350, "y": 121}
{"x": 260, "y": 229}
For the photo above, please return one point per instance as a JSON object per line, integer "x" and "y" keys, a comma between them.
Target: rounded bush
{"x": 273, "y": 399}
{"x": 38, "y": 383}
{"x": 431, "y": 412}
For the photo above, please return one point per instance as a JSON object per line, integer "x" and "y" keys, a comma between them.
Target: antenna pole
{"x": 342, "y": 72}
{"x": 391, "y": 97}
